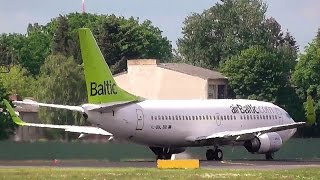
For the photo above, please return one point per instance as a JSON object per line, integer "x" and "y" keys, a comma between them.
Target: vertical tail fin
{"x": 101, "y": 87}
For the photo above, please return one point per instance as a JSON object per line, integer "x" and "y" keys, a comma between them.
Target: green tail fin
{"x": 311, "y": 115}
{"x": 13, "y": 115}
{"x": 101, "y": 87}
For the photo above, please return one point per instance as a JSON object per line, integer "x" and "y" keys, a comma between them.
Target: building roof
{"x": 193, "y": 70}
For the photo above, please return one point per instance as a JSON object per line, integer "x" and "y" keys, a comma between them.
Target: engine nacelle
{"x": 266, "y": 143}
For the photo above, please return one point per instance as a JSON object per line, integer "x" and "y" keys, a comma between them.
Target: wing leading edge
{"x": 68, "y": 128}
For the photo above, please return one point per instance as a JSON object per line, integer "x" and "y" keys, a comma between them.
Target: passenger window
{"x": 235, "y": 118}
{"x": 207, "y": 117}
{"x": 192, "y": 117}
{"x": 217, "y": 117}
{"x": 151, "y": 117}
{"x": 182, "y": 117}
{"x": 186, "y": 117}
{"x": 204, "y": 118}
{"x": 179, "y": 117}
{"x": 210, "y": 117}
{"x": 162, "y": 117}
{"x": 199, "y": 117}
{"x": 222, "y": 117}
{"x": 166, "y": 117}
{"x": 251, "y": 117}
{"x": 248, "y": 117}
{"x": 159, "y": 117}
{"x": 196, "y": 117}
{"x": 169, "y": 117}
{"x": 269, "y": 116}
{"x": 214, "y": 117}
{"x": 240, "y": 117}
{"x": 155, "y": 117}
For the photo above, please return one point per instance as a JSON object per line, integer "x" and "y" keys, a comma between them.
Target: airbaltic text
{"x": 250, "y": 109}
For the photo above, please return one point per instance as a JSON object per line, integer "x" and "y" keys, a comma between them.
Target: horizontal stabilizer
{"x": 72, "y": 108}
{"x": 68, "y": 128}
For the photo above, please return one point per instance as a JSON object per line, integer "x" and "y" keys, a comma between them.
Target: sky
{"x": 301, "y": 18}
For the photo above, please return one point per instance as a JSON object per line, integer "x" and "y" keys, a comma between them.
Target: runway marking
{"x": 229, "y": 162}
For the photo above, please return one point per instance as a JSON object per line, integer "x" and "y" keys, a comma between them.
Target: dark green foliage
{"x": 307, "y": 79}
{"x": 7, "y": 126}
{"x": 227, "y": 28}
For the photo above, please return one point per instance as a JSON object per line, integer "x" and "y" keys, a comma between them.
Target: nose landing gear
{"x": 216, "y": 154}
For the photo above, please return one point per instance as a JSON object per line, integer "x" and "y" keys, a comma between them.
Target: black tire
{"x": 164, "y": 156}
{"x": 210, "y": 155}
{"x": 269, "y": 156}
{"x": 218, "y": 155}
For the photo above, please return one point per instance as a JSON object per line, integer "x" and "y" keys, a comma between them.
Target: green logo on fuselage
{"x": 105, "y": 88}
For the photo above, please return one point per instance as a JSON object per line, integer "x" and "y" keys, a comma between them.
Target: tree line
{"x": 233, "y": 36}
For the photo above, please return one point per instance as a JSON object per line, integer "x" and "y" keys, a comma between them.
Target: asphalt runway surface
{"x": 227, "y": 164}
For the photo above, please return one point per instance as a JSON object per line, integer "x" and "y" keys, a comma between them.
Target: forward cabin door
{"x": 140, "y": 119}
{"x": 279, "y": 115}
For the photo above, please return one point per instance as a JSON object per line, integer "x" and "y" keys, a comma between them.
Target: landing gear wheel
{"x": 210, "y": 155}
{"x": 269, "y": 156}
{"x": 218, "y": 155}
{"x": 164, "y": 156}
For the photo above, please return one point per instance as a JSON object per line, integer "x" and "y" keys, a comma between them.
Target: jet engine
{"x": 265, "y": 143}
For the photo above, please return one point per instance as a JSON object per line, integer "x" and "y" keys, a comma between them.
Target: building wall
{"x": 146, "y": 79}
{"x": 25, "y": 133}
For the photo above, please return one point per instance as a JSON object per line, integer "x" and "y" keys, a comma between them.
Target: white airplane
{"x": 169, "y": 126}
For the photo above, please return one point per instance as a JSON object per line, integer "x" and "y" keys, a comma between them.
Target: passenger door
{"x": 140, "y": 119}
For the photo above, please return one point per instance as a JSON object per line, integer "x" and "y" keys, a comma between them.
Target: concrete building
{"x": 27, "y": 114}
{"x": 151, "y": 79}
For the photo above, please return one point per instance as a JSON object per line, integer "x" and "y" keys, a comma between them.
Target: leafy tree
{"x": 18, "y": 81}
{"x": 7, "y": 127}
{"x": 256, "y": 74}
{"x": 226, "y": 29}
{"x": 306, "y": 78}
{"x": 117, "y": 37}
{"x": 61, "y": 81}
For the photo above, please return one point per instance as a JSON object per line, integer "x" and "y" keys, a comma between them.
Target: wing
{"x": 69, "y": 128}
{"x": 245, "y": 134}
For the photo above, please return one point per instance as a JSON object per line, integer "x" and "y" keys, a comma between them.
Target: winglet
{"x": 13, "y": 115}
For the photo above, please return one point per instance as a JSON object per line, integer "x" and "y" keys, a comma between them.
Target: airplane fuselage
{"x": 174, "y": 123}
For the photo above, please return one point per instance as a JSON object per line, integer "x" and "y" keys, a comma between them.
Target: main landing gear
{"x": 216, "y": 154}
{"x": 161, "y": 153}
{"x": 269, "y": 156}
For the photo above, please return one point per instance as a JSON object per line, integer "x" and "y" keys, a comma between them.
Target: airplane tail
{"x": 101, "y": 87}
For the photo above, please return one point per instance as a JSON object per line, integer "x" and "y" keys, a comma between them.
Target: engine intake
{"x": 266, "y": 143}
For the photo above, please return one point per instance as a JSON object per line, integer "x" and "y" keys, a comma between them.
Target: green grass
{"x": 152, "y": 173}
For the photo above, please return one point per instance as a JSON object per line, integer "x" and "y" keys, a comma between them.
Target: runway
{"x": 228, "y": 164}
